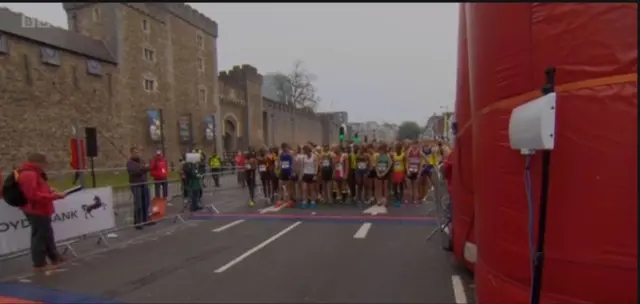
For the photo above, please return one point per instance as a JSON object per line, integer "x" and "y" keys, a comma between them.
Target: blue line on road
{"x": 44, "y": 295}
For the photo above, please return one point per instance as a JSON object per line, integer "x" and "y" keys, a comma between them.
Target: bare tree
{"x": 297, "y": 88}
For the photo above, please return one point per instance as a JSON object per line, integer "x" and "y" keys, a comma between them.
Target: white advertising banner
{"x": 84, "y": 212}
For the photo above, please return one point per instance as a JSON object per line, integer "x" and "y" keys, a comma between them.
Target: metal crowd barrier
{"x": 441, "y": 207}
{"x": 123, "y": 202}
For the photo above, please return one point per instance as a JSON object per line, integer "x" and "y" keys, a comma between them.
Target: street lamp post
{"x": 273, "y": 128}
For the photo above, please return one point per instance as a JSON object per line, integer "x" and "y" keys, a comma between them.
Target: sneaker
{"x": 303, "y": 205}
{"x": 252, "y": 203}
{"x": 59, "y": 260}
{"x": 398, "y": 203}
{"x": 312, "y": 205}
{"x": 44, "y": 269}
{"x": 289, "y": 204}
{"x": 278, "y": 204}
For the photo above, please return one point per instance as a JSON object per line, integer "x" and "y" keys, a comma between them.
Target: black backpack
{"x": 11, "y": 192}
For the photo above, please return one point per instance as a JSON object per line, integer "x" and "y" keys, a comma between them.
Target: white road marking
{"x": 271, "y": 209}
{"x": 362, "y": 232}
{"x": 458, "y": 290}
{"x": 258, "y": 247}
{"x": 375, "y": 210}
{"x": 227, "y": 226}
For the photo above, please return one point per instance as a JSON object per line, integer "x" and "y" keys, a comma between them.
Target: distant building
{"x": 372, "y": 130}
{"x": 438, "y": 126}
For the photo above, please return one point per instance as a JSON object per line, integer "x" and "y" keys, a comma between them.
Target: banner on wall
{"x": 209, "y": 128}
{"x": 81, "y": 213}
{"x": 154, "y": 124}
{"x": 184, "y": 129}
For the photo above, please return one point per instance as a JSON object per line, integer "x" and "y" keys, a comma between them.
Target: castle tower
{"x": 167, "y": 63}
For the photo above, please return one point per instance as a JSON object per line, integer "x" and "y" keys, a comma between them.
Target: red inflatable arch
{"x": 462, "y": 178}
{"x": 591, "y": 238}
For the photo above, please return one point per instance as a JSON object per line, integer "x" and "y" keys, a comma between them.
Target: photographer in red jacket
{"x": 38, "y": 211}
{"x": 160, "y": 173}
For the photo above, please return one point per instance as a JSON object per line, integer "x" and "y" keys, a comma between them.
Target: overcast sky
{"x": 383, "y": 62}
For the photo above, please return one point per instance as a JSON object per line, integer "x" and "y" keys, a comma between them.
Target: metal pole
{"x": 81, "y": 157}
{"x": 273, "y": 134}
{"x": 93, "y": 172}
{"x": 163, "y": 149}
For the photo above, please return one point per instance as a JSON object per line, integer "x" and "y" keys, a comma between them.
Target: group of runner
{"x": 357, "y": 173}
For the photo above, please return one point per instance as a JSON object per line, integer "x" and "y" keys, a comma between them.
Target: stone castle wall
{"x": 40, "y": 102}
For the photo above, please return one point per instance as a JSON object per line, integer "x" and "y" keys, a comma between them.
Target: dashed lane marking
{"x": 257, "y": 248}
{"x": 227, "y": 226}
{"x": 458, "y": 289}
{"x": 362, "y": 232}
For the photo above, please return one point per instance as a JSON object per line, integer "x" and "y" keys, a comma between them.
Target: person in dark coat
{"x": 138, "y": 182}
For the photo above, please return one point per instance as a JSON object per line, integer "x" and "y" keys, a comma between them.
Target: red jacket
{"x": 447, "y": 170}
{"x": 240, "y": 161}
{"x": 36, "y": 190}
{"x": 159, "y": 169}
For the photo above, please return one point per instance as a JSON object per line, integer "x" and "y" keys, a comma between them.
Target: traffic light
{"x": 356, "y": 138}
{"x": 341, "y": 134}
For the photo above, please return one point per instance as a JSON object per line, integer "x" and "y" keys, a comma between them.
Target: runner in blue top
{"x": 285, "y": 163}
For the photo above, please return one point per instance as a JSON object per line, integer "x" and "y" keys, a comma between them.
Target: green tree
{"x": 409, "y": 130}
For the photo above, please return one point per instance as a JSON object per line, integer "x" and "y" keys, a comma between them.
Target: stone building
{"x": 143, "y": 74}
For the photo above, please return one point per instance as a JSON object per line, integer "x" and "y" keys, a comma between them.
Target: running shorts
{"x": 327, "y": 175}
{"x": 398, "y": 177}
{"x": 427, "y": 170}
{"x": 308, "y": 178}
{"x": 383, "y": 177}
{"x": 285, "y": 176}
{"x": 413, "y": 176}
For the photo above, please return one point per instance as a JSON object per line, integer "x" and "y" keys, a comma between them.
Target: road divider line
{"x": 271, "y": 209}
{"x": 255, "y": 249}
{"x": 227, "y": 226}
{"x": 362, "y": 232}
{"x": 458, "y": 289}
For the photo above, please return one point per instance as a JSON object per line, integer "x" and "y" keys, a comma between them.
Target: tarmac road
{"x": 332, "y": 254}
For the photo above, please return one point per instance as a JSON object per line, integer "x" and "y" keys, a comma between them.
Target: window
{"x": 145, "y": 26}
{"x": 149, "y": 55}
{"x": 149, "y": 85}
{"x": 50, "y": 56}
{"x": 200, "y": 40}
{"x": 200, "y": 62}
{"x": 202, "y": 95}
{"x": 96, "y": 14}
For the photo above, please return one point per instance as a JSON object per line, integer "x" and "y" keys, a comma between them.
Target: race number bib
{"x": 309, "y": 169}
{"x": 262, "y": 168}
{"x": 326, "y": 163}
{"x": 163, "y": 171}
{"x": 284, "y": 165}
{"x": 247, "y": 166}
{"x": 338, "y": 167}
{"x": 362, "y": 165}
{"x": 413, "y": 168}
{"x": 382, "y": 167}
{"x": 397, "y": 165}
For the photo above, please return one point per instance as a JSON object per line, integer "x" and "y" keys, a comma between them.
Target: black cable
{"x": 536, "y": 285}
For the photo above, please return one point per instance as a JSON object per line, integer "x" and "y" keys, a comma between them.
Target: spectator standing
{"x": 193, "y": 184}
{"x": 215, "y": 164}
{"x": 138, "y": 170}
{"x": 38, "y": 210}
{"x": 240, "y": 162}
{"x": 160, "y": 173}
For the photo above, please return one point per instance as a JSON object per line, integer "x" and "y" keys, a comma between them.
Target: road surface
{"x": 331, "y": 254}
